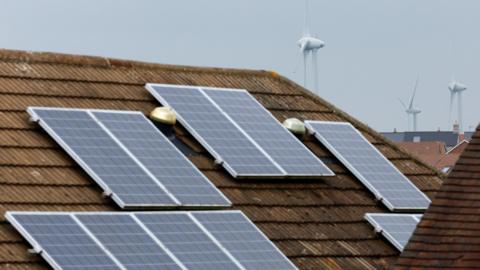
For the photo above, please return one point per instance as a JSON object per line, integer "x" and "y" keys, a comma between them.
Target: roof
{"x": 424, "y": 148}
{"x": 448, "y": 235}
{"x": 317, "y": 224}
{"x": 434, "y": 152}
{"x": 448, "y": 137}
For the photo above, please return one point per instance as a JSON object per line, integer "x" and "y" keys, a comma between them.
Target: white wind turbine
{"x": 456, "y": 88}
{"x": 412, "y": 112}
{"x": 309, "y": 45}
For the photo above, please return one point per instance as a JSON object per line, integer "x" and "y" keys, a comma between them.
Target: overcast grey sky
{"x": 374, "y": 48}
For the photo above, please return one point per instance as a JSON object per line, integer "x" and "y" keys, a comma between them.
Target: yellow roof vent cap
{"x": 294, "y": 125}
{"x": 164, "y": 115}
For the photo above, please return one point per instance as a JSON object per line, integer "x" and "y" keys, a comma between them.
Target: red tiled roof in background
{"x": 317, "y": 224}
{"x": 448, "y": 236}
{"x": 434, "y": 152}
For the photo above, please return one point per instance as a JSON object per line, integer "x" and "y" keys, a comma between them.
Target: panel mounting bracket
{"x": 107, "y": 193}
{"x": 32, "y": 119}
{"x": 218, "y": 161}
{"x": 35, "y": 250}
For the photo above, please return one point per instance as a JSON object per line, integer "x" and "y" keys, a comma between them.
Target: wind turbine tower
{"x": 456, "y": 89}
{"x": 412, "y": 112}
{"x": 309, "y": 45}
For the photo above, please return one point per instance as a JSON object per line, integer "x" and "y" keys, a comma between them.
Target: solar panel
{"x": 101, "y": 157}
{"x": 61, "y": 240}
{"x": 376, "y": 172}
{"x": 162, "y": 159}
{"x": 184, "y": 238}
{"x": 243, "y": 240}
{"x": 280, "y": 144}
{"x": 215, "y": 240}
{"x": 397, "y": 228}
{"x": 127, "y": 241}
{"x": 218, "y": 134}
{"x": 128, "y": 158}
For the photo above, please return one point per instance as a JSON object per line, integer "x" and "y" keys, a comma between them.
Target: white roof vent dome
{"x": 294, "y": 125}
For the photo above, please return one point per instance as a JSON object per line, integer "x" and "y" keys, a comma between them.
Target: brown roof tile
{"x": 448, "y": 236}
{"x": 318, "y": 224}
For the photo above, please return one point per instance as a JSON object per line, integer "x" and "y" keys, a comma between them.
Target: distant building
{"x": 435, "y": 153}
{"x": 440, "y": 149}
{"x": 449, "y": 138}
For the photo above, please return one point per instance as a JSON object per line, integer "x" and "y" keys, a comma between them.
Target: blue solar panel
{"x": 284, "y": 148}
{"x": 127, "y": 241}
{"x": 125, "y": 153}
{"x": 62, "y": 242}
{"x": 184, "y": 238}
{"x": 160, "y": 157}
{"x": 101, "y": 157}
{"x": 367, "y": 163}
{"x": 397, "y": 228}
{"x": 214, "y": 240}
{"x": 243, "y": 240}
{"x": 218, "y": 134}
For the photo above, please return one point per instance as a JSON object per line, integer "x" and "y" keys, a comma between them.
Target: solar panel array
{"x": 397, "y": 228}
{"x": 162, "y": 240}
{"x": 242, "y": 135}
{"x": 129, "y": 158}
{"x": 376, "y": 172}
{"x": 216, "y": 132}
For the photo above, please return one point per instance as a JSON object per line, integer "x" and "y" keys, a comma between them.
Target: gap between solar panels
{"x": 129, "y": 158}
{"x": 243, "y": 136}
{"x": 375, "y": 171}
{"x": 396, "y": 228}
{"x": 202, "y": 240}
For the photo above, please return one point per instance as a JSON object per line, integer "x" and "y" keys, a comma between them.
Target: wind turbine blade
{"x": 305, "y": 55}
{"x": 315, "y": 71}
{"x": 452, "y": 97}
{"x": 410, "y": 105}
{"x": 306, "y": 31}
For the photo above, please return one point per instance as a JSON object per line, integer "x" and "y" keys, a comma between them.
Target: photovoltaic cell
{"x": 128, "y": 155}
{"x": 225, "y": 141}
{"x": 397, "y": 228}
{"x": 182, "y": 236}
{"x": 202, "y": 240}
{"x": 284, "y": 148}
{"x": 64, "y": 244}
{"x": 367, "y": 163}
{"x": 243, "y": 240}
{"x": 125, "y": 239}
{"x": 159, "y": 156}
{"x": 106, "y": 162}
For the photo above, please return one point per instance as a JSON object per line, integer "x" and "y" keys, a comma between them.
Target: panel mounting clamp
{"x": 107, "y": 193}
{"x": 35, "y": 250}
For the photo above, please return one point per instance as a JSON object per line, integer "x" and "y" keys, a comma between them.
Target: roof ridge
{"x": 107, "y": 62}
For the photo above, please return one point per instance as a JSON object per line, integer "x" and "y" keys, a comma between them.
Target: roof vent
{"x": 294, "y": 125}
{"x": 164, "y": 115}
